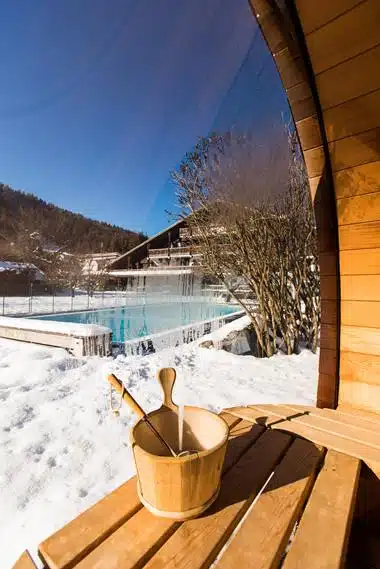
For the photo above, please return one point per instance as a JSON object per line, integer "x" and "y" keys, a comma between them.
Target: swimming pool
{"x": 131, "y": 322}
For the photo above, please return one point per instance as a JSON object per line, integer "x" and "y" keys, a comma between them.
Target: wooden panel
{"x": 360, "y": 262}
{"x": 353, "y": 117}
{"x": 328, "y": 286}
{"x": 344, "y": 418}
{"x": 327, "y": 10}
{"x": 360, "y": 313}
{"x": 327, "y": 362}
{"x": 272, "y": 31}
{"x": 301, "y": 101}
{"x": 315, "y": 161}
{"x": 266, "y": 415}
{"x": 328, "y": 336}
{"x": 362, "y": 340}
{"x": 197, "y": 542}
{"x": 359, "y": 367}
{"x": 359, "y": 209}
{"x": 360, "y": 287}
{"x": 230, "y": 419}
{"x": 359, "y": 236}
{"x": 309, "y": 133}
{"x": 291, "y": 69}
{"x": 24, "y": 562}
{"x": 71, "y": 543}
{"x": 352, "y": 33}
{"x": 350, "y": 79}
{"x": 326, "y": 393}
{"x": 360, "y": 394}
{"x": 327, "y": 264}
{"x": 355, "y": 150}
{"x": 363, "y": 179}
{"x": 132, "y": 544}
{"x": 242, "y": 436}
{"x": 327, "y": 517}
{"x": 314, "y": 185}
{"x": 328, "y": 311}
{"x": 265, "y": 532}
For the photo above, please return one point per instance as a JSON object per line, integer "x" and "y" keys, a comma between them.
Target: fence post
{"x": 31, "y": 297}
{"x": 53, "y": 297}
{"x": 4, "y": 291}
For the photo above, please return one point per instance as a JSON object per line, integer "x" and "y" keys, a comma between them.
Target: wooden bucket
{"x": 179, "y": 487}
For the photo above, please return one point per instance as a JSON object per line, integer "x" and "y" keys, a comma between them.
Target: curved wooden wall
{"x": 328, "y": 55}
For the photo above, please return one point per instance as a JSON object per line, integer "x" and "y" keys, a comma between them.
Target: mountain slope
{"x": 22, "y": 213}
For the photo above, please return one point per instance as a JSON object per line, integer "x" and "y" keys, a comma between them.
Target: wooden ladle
{"x": 166, "y": 377}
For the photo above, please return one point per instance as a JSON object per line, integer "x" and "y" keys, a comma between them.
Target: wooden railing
{"x": 174, "y": 252}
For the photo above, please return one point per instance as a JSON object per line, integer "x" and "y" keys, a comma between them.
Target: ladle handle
{"x": 166, "y": 378}
{"x": 127, "y": 397}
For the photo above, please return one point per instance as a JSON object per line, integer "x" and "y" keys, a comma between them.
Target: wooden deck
{"x": 290, "y": 492}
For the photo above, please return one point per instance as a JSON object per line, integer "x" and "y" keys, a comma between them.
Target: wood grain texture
{"x": 333, "y": 43}
{"x": 362, "y": 340}
{"x": 329, "y": 310}
{"x": 197, "y": 542}
{"x": 366, "y": 396}
{"x": 359, "y": 236}
{"x": 356, "y": 421}
{"x": 353, "y": 117}
{"x": 24, "y": 562}
{"x": 360, "y": 287}
{"x": 360, "y": 313}
{"x": 327, "y": 362}
{"x": 355, "y": 150}
{"x": 326, "y": 391}
{"x": 312, "y": 19}
{"x": 301, "y": 101}
{"x": 327, "y": 517}
{"x": 75, "y": 540}
{"x": 315, "y": 161}
{"x": 292, "y": 70}
{"x": 264, "y": 534}
{"x": 360, "y": 262}
{"x": 359, "y": 209}
{"x": 277, "y": 418}
{"x": 327, "y": 263}
{"x": 353, "y": 78}
{"x": 359, "y": 367}
{"x": 309, "y": 133}
{"x": 328, "y": 336}
{"x": 328, "y": 287}
{"x": 364, "y": 179}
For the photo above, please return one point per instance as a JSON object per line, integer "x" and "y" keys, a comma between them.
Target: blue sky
{"x": 100, "y": 99}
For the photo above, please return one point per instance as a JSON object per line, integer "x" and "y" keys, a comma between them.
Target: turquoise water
{"x": 131, "y": 322}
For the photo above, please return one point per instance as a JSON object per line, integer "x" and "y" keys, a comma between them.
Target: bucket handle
{"x": 166, "y": 377}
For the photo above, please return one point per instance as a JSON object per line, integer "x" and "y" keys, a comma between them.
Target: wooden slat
{"x": 333, "y": 43}
{"x": 197, "y": 542}
{"x": 301, "y": 101}
{"x": 24, "y": 562}
{"x": 328, "y": 287}
{"x": 315, "y": 161}
{"x": 353, "y": 117}
{"x": 309, "y": 133}
{"x": 360, "y": 262}
{"x": 291, "y": 68}
{"x": 360, "y": 313}
{"x": 327, "y": 362}
{"x": 359, "y": 367}
{"x": 362, "y": 340}
{"x": 322, "y": 537}
{"x": 312, "y": 19}
{"x": 328, "y": 336}
{"x": 326, "y": 392}
{"x": 359, "y": 236}
{"x": 323, "y": 423}
{"x": 363, "y": 179}
{"x": 264, "y": 534}
{"x": 242, "y": 436}
{"x": 328, "y": 311}
{"x": 230, "y": 419}
{"x": 360, "y": 394}
{"x": 359, "y": 209}
{"x": 360, "y": 287}
{"x": 314, "y": 184}
{"x": 355, "y": 150}
{"x": 338, "y": 416}
{"x": 327, "y": 264}
{"x": 319, "y": 419}
{"x": 132, "y": 544}
{"x": 353, "y": 78}
{"x": 76, "y": 539}
{"x": 265, "y": 415}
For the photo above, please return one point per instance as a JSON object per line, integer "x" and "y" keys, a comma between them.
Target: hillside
{"x": 23, "y": 214}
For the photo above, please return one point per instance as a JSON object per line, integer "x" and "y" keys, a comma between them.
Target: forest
{"x": 24, "y": 215}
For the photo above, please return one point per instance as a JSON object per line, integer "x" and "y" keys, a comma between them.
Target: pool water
{"x": 130, "y": 322}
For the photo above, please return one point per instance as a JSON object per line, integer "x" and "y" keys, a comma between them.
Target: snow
{"x": 61, "y": 449}
{"x": 67, "y": 328}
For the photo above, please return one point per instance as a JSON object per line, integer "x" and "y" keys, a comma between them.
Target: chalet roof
{"x": 146, "y": 242}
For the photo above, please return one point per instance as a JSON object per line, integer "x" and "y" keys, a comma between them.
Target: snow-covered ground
{"x": 62, "y": 449}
